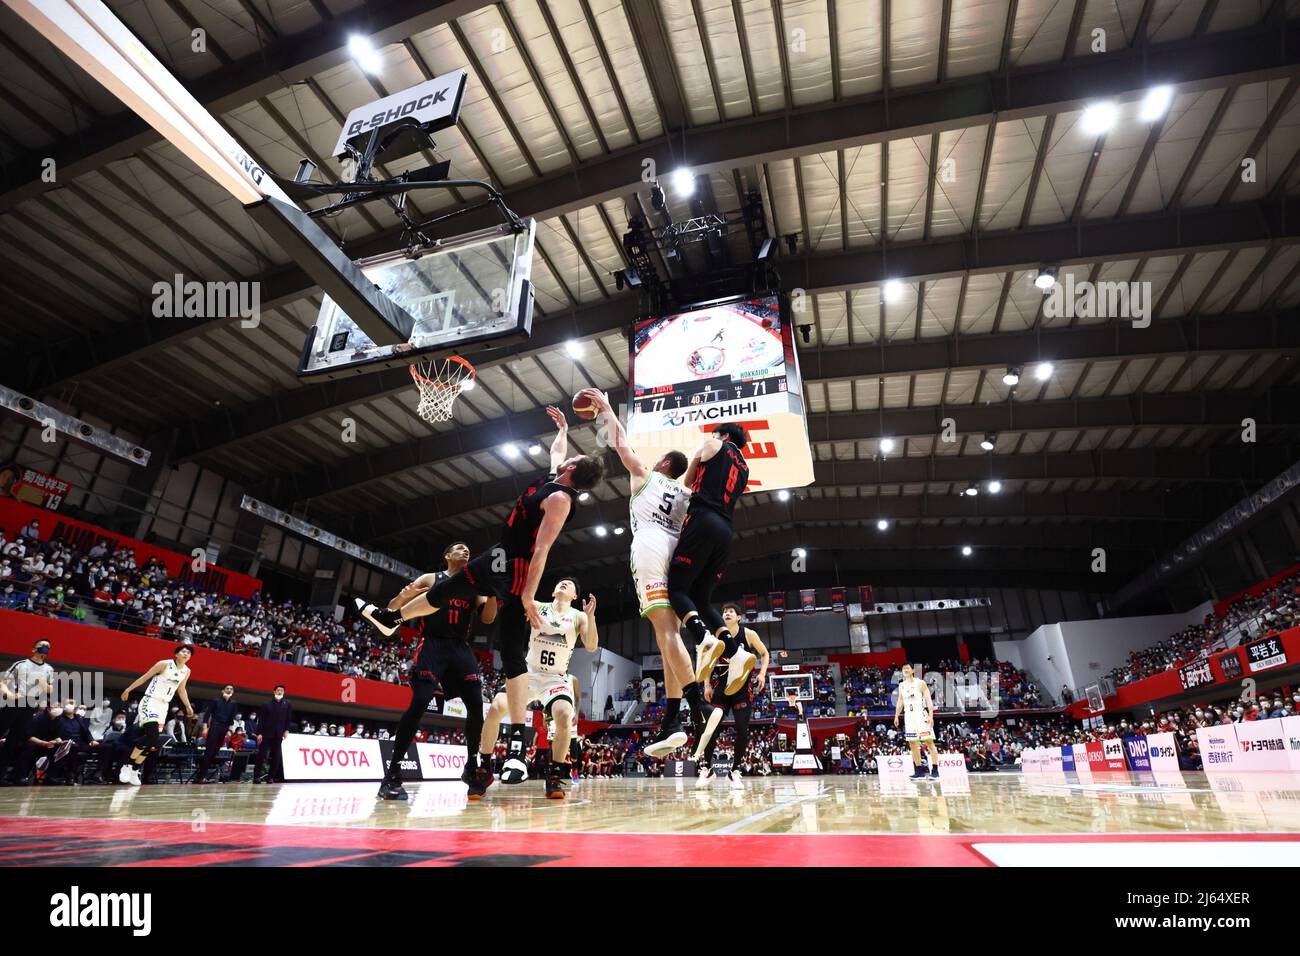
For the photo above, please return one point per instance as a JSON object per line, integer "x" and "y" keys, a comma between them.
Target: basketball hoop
{"x": 440, "y": 381}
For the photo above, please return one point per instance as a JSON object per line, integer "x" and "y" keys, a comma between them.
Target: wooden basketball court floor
{"x": 1003, "y": 819}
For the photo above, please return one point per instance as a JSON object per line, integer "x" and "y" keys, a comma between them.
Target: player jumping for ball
{"x": 511, "y": 572}
{"x": 550, "y": 647}
{"x": 717, "y": 476}
{"x": 444, "y": 658}
{"x": 917, "y": 710}
{"x": 167, "y": 679}
{"x": 730, "y": 690}
{"x": 655, "y": 513}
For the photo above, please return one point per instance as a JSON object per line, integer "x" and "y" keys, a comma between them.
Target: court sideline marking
{"x": 763, "y": 814}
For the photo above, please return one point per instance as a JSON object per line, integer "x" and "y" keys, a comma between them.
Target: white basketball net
{"x": 440, "y": 381}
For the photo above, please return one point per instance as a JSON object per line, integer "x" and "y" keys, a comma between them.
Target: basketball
{"x": 584, "y": 407}
{"x": 514, "y": 771}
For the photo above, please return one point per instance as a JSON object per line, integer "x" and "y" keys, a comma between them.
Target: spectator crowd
{"x": 1274, "y": 610}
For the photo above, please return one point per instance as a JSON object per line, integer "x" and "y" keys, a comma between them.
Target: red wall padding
{"x": 84, "y": 646}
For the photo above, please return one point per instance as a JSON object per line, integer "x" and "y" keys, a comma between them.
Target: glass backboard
{"x": 465, "y": 294}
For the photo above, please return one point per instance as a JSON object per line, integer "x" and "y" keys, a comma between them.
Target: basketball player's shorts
{"x": 548, "y": 688}
{"x": 917, "y": 729}
{"x": 737, "y": 701}
{"x": 152, "y": 711}
{"x": 502, "y": 577}
{"x": 652, "y": 552}
{"x": 450, "y": 662}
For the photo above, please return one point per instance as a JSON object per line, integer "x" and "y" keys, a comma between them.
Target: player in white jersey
{"x": 916, "y": 708}
{"x": 550, "y": 647}
{"x": 167, "y": 679}
{"x": 656, "y": 511}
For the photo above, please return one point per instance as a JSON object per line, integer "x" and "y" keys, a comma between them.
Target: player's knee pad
{"x": 149, "y": 734}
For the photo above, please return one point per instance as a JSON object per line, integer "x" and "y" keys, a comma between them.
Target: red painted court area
{"x": 50, "y": 843}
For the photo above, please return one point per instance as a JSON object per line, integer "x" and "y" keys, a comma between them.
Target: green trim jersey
{"x": 659, "y": 503}
{"x": 162, "y": 687}
{"x": 551, "y": 647}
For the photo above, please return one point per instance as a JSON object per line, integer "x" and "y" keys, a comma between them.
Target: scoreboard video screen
{"x": 728, "y": 360}
{"x": 730, "y": 350}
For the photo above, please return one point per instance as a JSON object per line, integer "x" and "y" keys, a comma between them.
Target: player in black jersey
{"x": 717, "y": 476}
{"x": 444, "y": 659}
{"x": 730, "y": 689}
{"x": 511, "y": 571}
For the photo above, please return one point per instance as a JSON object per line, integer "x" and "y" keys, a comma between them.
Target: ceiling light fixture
{"x": 360, "y": 49}
{"x": 1099, "y": 118}
{"x": 1156, "y": 103}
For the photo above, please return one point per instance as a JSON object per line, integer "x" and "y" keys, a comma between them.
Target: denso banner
{"x": 307, "y": 757}
{"x": 1262, "y": 745}
{"x": 1081, "y": 765}
{"x": 1218, "y": 745}
{"x": 1096, "y": 757}
{"x": 952, "y": 766}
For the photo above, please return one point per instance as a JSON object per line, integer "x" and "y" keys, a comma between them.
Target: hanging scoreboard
{"x": 732, "y": 360}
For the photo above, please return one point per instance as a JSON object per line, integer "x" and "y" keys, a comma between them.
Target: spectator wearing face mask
{"x": 74, "y": 729}
{"x": 41, "y": 742}
{"x": 213, "y": 726}
{"x": 100, "y": 718}
{"x": 176, "y": 726}
{"x": 22, "y": 688}
{"x": 273, "y": 719}
{"x": 114, "y": 749}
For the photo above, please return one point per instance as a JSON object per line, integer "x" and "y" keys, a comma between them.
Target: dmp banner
{"x": 1138, "y": 753}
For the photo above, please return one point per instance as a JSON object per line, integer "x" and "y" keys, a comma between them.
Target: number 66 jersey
{"x": 551, "y": 646}
{"x": 549, "y": 650}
